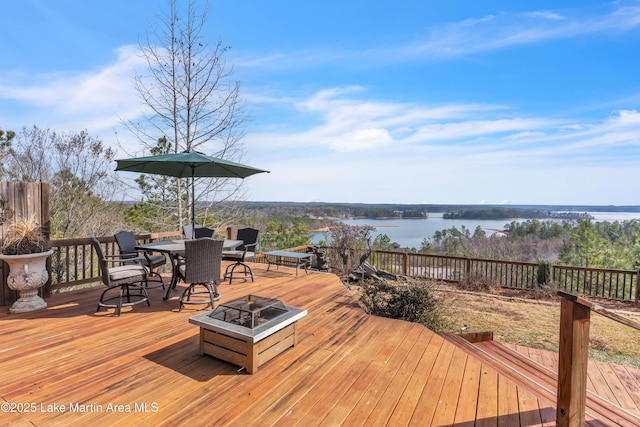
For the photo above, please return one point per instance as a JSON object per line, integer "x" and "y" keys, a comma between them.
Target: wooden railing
{"x": 573, "y": 354}
{"x": 598, "y": 282}
{"x": 73, "y": 263}
{"x": 593, "y": 282}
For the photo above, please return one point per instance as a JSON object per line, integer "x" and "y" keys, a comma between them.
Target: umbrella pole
{"x": 193, "y": 201}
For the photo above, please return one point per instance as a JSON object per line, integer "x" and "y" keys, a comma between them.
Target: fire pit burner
{"x": 250, "y": 311}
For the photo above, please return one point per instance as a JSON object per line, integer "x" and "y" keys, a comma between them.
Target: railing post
{"x": 637, "y": 286}
{"x": 572, "y": 366}
{"x": 405, "y": 263}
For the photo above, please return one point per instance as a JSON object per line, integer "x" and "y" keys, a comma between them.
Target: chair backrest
{"x": 203, "y": 260}
{"x": 204, "y": 232}
{"x": 126, "y": 241}
{"x": 187, "y": 231}
{"x": 104, "y": 268}
{"x": 249, "y": 236}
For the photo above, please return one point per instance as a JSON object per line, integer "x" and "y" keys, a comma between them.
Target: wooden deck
{"x": 348, "y": 368}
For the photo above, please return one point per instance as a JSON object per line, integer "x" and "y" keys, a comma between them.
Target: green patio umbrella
{"x": 188, "y": 164}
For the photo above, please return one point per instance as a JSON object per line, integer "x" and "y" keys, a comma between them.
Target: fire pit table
{"x": 249, "y": 331}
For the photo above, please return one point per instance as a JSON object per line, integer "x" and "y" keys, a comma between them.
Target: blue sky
{"x": 370, "y": 101}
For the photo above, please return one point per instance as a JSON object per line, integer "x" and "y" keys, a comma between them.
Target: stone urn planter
{"x": 26, "y": 250}
{"x": 27, "y": 273}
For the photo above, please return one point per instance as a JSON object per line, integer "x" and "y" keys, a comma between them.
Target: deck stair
{"x": 539, "y": 379}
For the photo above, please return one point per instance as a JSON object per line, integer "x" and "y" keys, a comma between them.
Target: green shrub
{"x": 543, "y": 275}
{"x": 410, "y": 301}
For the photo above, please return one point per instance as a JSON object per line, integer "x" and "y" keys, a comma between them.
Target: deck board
{"x": 468, "y": 397}
{"x": 448, "y": 400}
{"x": 400, "y": 379}
{"x": 347, "y": 368}
{"x": 408, "y": 400}
{"x": 427, "y": 404}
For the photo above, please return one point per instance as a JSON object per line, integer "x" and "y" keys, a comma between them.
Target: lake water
{"x": 411, "y": 232}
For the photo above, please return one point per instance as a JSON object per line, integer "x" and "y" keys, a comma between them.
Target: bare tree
{"x": 190, "y": 101}
{"x": 5, "y": 147}
{"x": 351, "y": 244}
{"x": 79, "y": 169}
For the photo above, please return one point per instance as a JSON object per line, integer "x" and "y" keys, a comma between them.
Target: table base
{"x": 285, "y": 258}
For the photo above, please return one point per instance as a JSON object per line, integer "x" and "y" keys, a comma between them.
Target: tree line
{"x": 335, "y": 211}
{"x": 506, "y": 213}
{"x": 585, "y": 242}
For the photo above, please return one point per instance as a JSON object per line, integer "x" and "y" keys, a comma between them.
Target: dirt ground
{"x": 632, "y": 307}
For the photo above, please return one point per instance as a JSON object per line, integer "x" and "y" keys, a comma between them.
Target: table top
{"x": 288, "y": 254}
{"x": 177, "y": 246}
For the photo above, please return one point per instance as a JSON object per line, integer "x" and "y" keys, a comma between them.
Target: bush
{"x": 412, "y": 301}
{"x": 543, "y": 275}
{"x": 479, "y": 283}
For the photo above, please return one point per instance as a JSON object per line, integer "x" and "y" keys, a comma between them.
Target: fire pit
{"x": 249, "y": 331}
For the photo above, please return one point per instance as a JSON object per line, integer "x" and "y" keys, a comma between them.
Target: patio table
{"x": 278, "y": 258}
{"x": 175, "y": 250}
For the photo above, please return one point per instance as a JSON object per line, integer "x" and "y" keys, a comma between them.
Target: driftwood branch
{"x": 368, "y": 271}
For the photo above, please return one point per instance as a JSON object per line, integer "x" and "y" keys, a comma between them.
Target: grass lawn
{"x": 535, "y": 323}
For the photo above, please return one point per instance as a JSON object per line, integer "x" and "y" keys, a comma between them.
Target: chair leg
{"x": 185, "y": 298}
{"x": 143, "y": 290}
{"x": 231, "y": 270}
{"x": 119, "y": 307}
{"x": 124, "y": 292}
{"x": 159, "y": 280}
{"x": 210, "y": 288}
{"x": 101, "y": 299}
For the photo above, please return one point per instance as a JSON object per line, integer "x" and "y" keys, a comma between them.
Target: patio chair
{"x": 204, "y": 232}
{"x": 120, "y": 275}
{"x": 126, "y": 241}
{"x": 245, "y": 252}
{"x": 187, "y": 231}
{"x": 201, "y": 268}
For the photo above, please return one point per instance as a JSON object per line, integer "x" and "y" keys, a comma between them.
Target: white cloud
{"x": 361, "y": 139}
{"x": 358, "y": 149}
{"x": 516, "y": 29}
{"x": 625, "y": 118}
{"x": 546, "y": 14}
{"x": 441, "y": 132}
{"x": 95, "y": 100}
{"x": 467, "y": 37}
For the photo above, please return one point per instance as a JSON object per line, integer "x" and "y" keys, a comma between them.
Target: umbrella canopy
{"x": 188, "y": 164}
